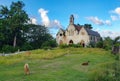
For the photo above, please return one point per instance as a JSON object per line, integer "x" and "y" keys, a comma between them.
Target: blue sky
{"x": 104, "y": 15}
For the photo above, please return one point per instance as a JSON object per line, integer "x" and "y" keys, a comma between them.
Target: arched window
{"x": 70, "y": 42}
{"x": 82, "y": 42}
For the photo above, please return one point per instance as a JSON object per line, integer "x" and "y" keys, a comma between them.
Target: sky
{"x": 103, "y": 15}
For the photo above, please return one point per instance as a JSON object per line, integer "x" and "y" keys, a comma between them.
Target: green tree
{"x": 37, "y": 35}
{"x": 89, "y": 26}
{"x": 116, "y": 41}
{"x": 4, "y": 29}
{"x": 15, "y": 17}
{"x": 107, "y": 43}
{"x": 15, "y": 30}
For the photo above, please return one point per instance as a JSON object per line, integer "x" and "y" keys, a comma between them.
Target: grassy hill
{"x": 55, "y": 65}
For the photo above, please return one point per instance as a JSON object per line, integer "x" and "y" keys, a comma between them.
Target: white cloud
{"x": 98, "y": 21}
{"x": 109, "y": 33}
{"x": 33, "y": 20}
{"x": 117, "y": 10}
{"x": 108, "y": 22}
{"x": 55, "y": 23}
{"x": 46, "y": 21}
{"x": 95, "y": 20}
{"x": 114, "y": 18}
{"x": 116, "y": 13}
{"x": 44, "y": 16}
{"x": 51, "y": 24}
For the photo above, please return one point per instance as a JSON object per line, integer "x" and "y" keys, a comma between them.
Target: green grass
{"x": 54, "y": 65}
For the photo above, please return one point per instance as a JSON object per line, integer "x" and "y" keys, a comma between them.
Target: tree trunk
{"x": 14, "y": 42}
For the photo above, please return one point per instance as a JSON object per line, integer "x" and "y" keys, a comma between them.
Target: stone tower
{"x": 71, "y": 19}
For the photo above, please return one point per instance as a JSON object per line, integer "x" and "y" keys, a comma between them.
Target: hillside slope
{"x": 54, "y": 65}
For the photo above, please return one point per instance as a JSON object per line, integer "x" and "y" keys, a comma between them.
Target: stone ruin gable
{"x": 60, "y": 36}
{"x": 83, "y": 36}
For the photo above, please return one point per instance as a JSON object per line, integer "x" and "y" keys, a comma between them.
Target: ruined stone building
{"x": 76, "y": 34}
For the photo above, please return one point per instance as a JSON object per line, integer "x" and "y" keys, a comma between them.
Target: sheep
{"x": 26, "y": 69}
{"x": 85, "y": 63}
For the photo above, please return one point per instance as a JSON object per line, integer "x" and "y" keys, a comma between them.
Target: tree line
{"x": 16, "y": 33}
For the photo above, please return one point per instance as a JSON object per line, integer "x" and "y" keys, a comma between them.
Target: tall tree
{"x": 37, "y": 35}
{"x": 16, "y": 18}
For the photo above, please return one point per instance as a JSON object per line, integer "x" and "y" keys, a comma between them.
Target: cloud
{"x": 44, "y": 16}
{"x": 53, "y": 25}
{"x": 108, "y": 22}
{"x": 116, "y": 13}
{"x": 117, "y": 10}
{"x": 46, "y": 21}
{"x": 95, "y": 20}
{"x": 98, "y": 21}
{"x": 33, "y": 20}
{"x": 106, "y": 33}
{"x": 114, "y": 18}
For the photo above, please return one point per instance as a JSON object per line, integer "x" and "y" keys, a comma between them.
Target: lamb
{"x": 26, "y": 69}
{"x": 85, "y": 63}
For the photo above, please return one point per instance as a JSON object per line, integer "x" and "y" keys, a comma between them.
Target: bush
{"x": 107, "y": 47}
{"x": 26, "y": 46}
{"x": 70, "y": 45}
{"x": 9, "y": 49}
{"x": 63, "y": 46}
{"x": 99, "y": 44}
{"x": 75, "y": 45}
{"x": 51, "y": 43}
{"x": 92, "y": 44}
{"x": 47, "y": 48}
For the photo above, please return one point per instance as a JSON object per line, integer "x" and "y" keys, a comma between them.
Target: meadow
{"x": 55, "y": 65}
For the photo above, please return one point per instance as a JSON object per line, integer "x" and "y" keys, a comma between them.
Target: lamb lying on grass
{"x": 26, "y": 69}
{"x": 85, "y": 63}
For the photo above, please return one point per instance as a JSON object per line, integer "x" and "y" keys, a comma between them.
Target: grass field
{"x": 54, "y": 65}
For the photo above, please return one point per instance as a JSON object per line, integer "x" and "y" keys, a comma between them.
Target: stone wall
{"x": 116, "y": 49}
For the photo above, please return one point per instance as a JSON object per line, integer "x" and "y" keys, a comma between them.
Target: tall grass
{"x": 35, "y": 54}
{"x": 108, "y": 71}
{"x": 7, "y": 60}
{"x": 50, "y": 54}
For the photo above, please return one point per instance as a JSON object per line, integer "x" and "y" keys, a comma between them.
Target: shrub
{"x": 26, "y": 46}
{"x": 47, "y": 48}
{"x": 99, "y": 44}
{"x": 51, "y": 43}
{"x": 75, "y": 45}
{"x": 92, "y": 44}
{"x": 63, "y": 46}
{"x": 9, "y": 49}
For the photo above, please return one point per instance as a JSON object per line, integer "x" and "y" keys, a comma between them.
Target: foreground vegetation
{"x": 58, "y": 65}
